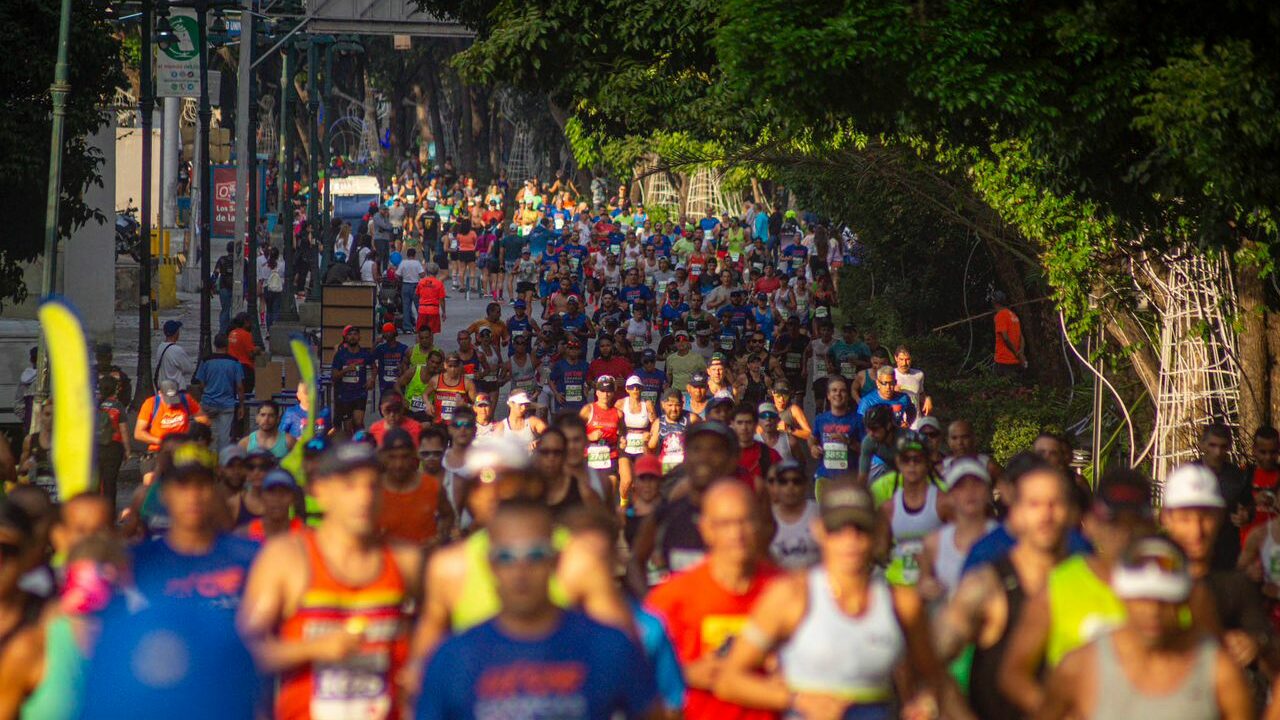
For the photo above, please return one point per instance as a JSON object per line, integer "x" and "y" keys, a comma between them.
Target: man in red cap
{"x": 390, "y": 355}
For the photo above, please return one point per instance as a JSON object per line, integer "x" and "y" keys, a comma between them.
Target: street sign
{"x": 178, "y": 67}
{"x": 223, "y": 222}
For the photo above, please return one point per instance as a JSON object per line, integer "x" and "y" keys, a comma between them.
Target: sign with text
{"x": 223, "y": 222}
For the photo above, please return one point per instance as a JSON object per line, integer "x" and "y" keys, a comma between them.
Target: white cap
{"x": 927, "y": 421}
{"x": 1192, "y": 486}
{"x": 963, "y": 468}
{"x": 634, "y": 380}
{"x": 520, "y": 397}
{"x": 493, "y": 453}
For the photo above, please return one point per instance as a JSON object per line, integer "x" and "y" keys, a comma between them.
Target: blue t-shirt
{"x": 219, "y": 374}
{"x": 570, "y": 380}
{"x": 169, "y": 659}
{"x": 351, "y": 387}
{"x": 580, "y": 671}
{"x": 997, "y": 543}
{"x": 538, "y": 238}
{"x": 838, "y": 451}
{"x": 390, "y": 359}
{"x": 652, "y": 382}
{"x": 215, "y": 579}
{"x": 904, "y": 412}
{"x": 631, "y": 294}
{"x": 670, "y": 313}
{"x": 661, "y": 655}
{"x": 739, "y": 316}
{"x": 294, "y": 421}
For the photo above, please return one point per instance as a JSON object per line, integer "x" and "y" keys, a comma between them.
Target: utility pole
{"x": 289, "y": 310}
{"x": 203, "y": 116}
{"x": 243, "y": 179}
{"x": 146, "y": 107}
{"x": 58, "y": 91}
{"x": 313, "y": 212}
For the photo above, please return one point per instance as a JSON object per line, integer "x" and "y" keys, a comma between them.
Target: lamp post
{"x": 146, "y": 106}
{"x": 58, "y": 92}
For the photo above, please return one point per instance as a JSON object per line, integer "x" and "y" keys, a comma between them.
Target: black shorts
{"x": 523, "y": 287}
{"x": 343, "y": 409}
{"x": 495, "y": 265}
{"x": 466, "y": 256}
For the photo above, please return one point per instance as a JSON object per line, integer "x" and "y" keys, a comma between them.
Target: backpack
{"x": 103, "y": 427}
{"x": 275, "y": 283}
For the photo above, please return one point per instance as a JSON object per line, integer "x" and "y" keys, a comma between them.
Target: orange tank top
{"x": 363, "y": 686}
{"x": 411, "y": 516}
{"x": 449, "y": 398}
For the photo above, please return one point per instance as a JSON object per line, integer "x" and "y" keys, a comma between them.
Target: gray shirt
{"x": 382, "y": 227}
{"x": 174, "y": 363}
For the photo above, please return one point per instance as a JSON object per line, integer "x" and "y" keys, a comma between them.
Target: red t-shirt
{"x": 430, "y": 293}
{"x": 768, "y": 284}
{"x": 379, "y": 429}
{"x": 616, "y": 367}
{"x": 168, "y": 419}
{"x": 240, "y": 346}
{"x": 749, "y": 463}
{"x": 702, "y": 617}
{"x": 1007, "y": 323}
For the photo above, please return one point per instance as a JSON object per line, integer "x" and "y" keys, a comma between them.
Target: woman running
{"x": 603, "y": 421}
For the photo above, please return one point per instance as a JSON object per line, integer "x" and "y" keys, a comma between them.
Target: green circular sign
{"x": 187, "y": 31}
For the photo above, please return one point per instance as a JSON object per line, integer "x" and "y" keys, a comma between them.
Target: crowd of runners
{"x": 659, "y": 478}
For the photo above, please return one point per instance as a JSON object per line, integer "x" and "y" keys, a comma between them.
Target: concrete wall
{"x": 128, "y": 170}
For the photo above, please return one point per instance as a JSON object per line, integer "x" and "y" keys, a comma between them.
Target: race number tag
{"x": 635, "y": 442}
{"x": 598, "y": 457}
{"x": 573, "y": 393}
{"x": 447, "y": 406}
{"x": 671, "y": 460}
{"x": 907, "y": 553}
{"x": 417, "y": 404}
{"x": 835, "y": 455}
{"x": 846, "y": 368}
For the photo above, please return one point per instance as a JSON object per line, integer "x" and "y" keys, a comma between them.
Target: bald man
{"x": 705, "y": 606}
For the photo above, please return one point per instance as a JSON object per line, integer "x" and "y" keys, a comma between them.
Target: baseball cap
{"x": 925, "y": 421}
{"x": 190, "y": 460}
{"x": 168, "y": 389}
{"x": 762, "y": 296}
{"x": 341, "y": 458}
{"x": 634, "y": 381}
{"x": 718, "y": 358}
{"x": 718, "y": 401}
{"x": 489, "y": 455}
{"x": 519, "y": 305}
{"x": 573, "y": 342}
{"x": 714, "y": 427}
{"x": 682, "y": 335}
{"x": 605, "y": 382}
{"x": 349, "y": 328}
{"x": 843, "y": 503}
{"x": 963, "y": 468}
{"x": 279, "y": 478}
{"x": 398, "y": 439}
{"x": 1152, "y": 568}
{"x": 1192, "y": 486}
{"x": 908, "y": 441}
{"x": 648, "y": 464}
{"x": 483, "y": 400}
{"x": 1123, "y": 491}
{"x": 388, "y": 327}
{"x": 704, "y": 330}
{"x": 648, "y": 355}
{"x": 573, "y": 300}
{"x": 172, "y": 326}
{"x": 699, "y": 379}
{"x": 230, "y": 454}
{"x": 767, "y": 408}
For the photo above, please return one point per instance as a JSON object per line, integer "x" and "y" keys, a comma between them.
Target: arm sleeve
{"x": 865, "y": 454}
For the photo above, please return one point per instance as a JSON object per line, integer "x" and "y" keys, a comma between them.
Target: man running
{"x": 269, "y": 436}
{"x": 415, "y": 508}
{"x": 532, "y": 655}
{"x": 336, "y": 632}
{"x": 835, "y": 431}
{"x": 1152, "y": 666}
{"x": 988, "y": 602}
{"x": 353, "y": 377}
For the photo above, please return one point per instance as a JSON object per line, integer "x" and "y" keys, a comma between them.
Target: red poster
{"x": 223, "y": 222}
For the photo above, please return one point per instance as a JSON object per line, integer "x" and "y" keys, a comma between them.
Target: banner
{"x": 223, "y": 182}
{"x": 71, "y": 387}
{"x": 178, "y": 66}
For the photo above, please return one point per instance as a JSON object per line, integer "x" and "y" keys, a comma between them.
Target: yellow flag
{"x": 73, "y": 396}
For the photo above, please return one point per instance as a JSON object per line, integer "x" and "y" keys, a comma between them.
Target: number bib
{"x": 635, "y": 442}
{"x": 671, "y": 460}
{"x": 418, "y": 404}
{"x": 447, "y": 408}
{"x": 573, "y": 393}
{"x": 835, "y": 455}
{"x": 847, "y": 369}
{"x": 907, "y": 554}
{"x": 598, "y": 457}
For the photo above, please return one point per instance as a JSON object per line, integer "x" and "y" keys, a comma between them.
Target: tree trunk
{"x": 1251, "y": 347}
{"x": 373, "y": 134}
{"x": 466, "y": 130}
{"x": 1273, "y": 352}
{"x": 431, "y": 75}
{"x": 422, "y": 113}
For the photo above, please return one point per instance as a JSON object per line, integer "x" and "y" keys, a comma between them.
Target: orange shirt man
{"x": 431, "y": 296}
{"x": 411, "y": 499}
{"x": 175, "y": 413}
{"x": 1009, "y": 350}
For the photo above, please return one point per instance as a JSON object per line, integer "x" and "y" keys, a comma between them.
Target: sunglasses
{"x": 796, "y": 480}
{"x": 462, "y": 424}
{"x": 431, "y": 453}
{"x": 509, "y": 555}
{"x": 912, "y": 459}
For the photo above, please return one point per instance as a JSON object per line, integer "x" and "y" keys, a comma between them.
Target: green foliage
{"x": 26, "y": 125}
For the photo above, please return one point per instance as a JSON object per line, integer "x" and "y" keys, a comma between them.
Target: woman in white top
{"x": 840, "y": 634}
{"x": 969, "y": 494}
{"x": 638, "y": 419}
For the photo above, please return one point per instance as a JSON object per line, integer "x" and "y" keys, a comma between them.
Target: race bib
{"x": 559, "y": 222}
{"x": 734, "y": 255}
{"x": 351, "y": 379}
{"x": 447, "y": 407}
{"x": 846, "y": 368}
{"x": 390, "y": 373}
{"x": 598, "y": 457}
{"x": 671, "y": 460}
{"x": 417, "y": 404}
{"x": 708, "y": 234}
{"x": 635, "y": 442}
{"x": 681, "y": 560}
{"x": 350, "y": 690}
{"x": 907, "y": 553}
{"x": 649, "y": 396}
{"x": 573, "y": 393}
{"x": 726, "y": 342}
{"x": 794, "y": 360}
{"x": 835, "y": 455}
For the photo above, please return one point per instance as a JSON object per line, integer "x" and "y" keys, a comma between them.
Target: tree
{"x": 26, "y": 124}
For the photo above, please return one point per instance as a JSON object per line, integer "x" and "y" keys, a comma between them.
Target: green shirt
{"x": 682, "y": 367}
{"x": 1081, "y": 607}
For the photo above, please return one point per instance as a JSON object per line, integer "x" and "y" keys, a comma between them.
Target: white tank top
{"x": 523, "y": 376}
{"x": 950, "y": 560}
{"x": 525, "y": 434}
{"x": 909, "y": 530}
{"x": 793, "y": 546}
{"x": 636, "y": 424}
{"x": 782, "y": 445}
{"x": 817, "y": 658}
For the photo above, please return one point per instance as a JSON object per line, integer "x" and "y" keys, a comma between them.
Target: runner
{"x": 393, "y": 417}
{"x": 969, "y": 494}
{"x": 683, "y": 364}
{"x": 754, "y": 457}
{"x": 168, "y": 412}
{"x": 668, "y": 442}
{"x": 533, "y": 655}
{"x": 352, "y": 380}
{"x": 485, "y": 425}
{"x": 914, "y": 505}
{"x": 337, "y": 632}
{"x": 521, "y": 423}
{"x": 268, "y": 436}
{"x": 834, "y": 431}
{"x": 414, "y": 508}
{"x": 904, "y": 411}
{"x": 706, "y": 607}
{"x": 1151, "y": 666}
{"x": 280, "y": 493}
{"x": 604, "y": 421}
{"x": 391, "y": 355}
{"x": 988, "y": 602}
{"x": 450, "y": 390}
{"x": 569, "y": 377}
{"x": 815, "y": 618}
{"x": 793, "y": 546}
